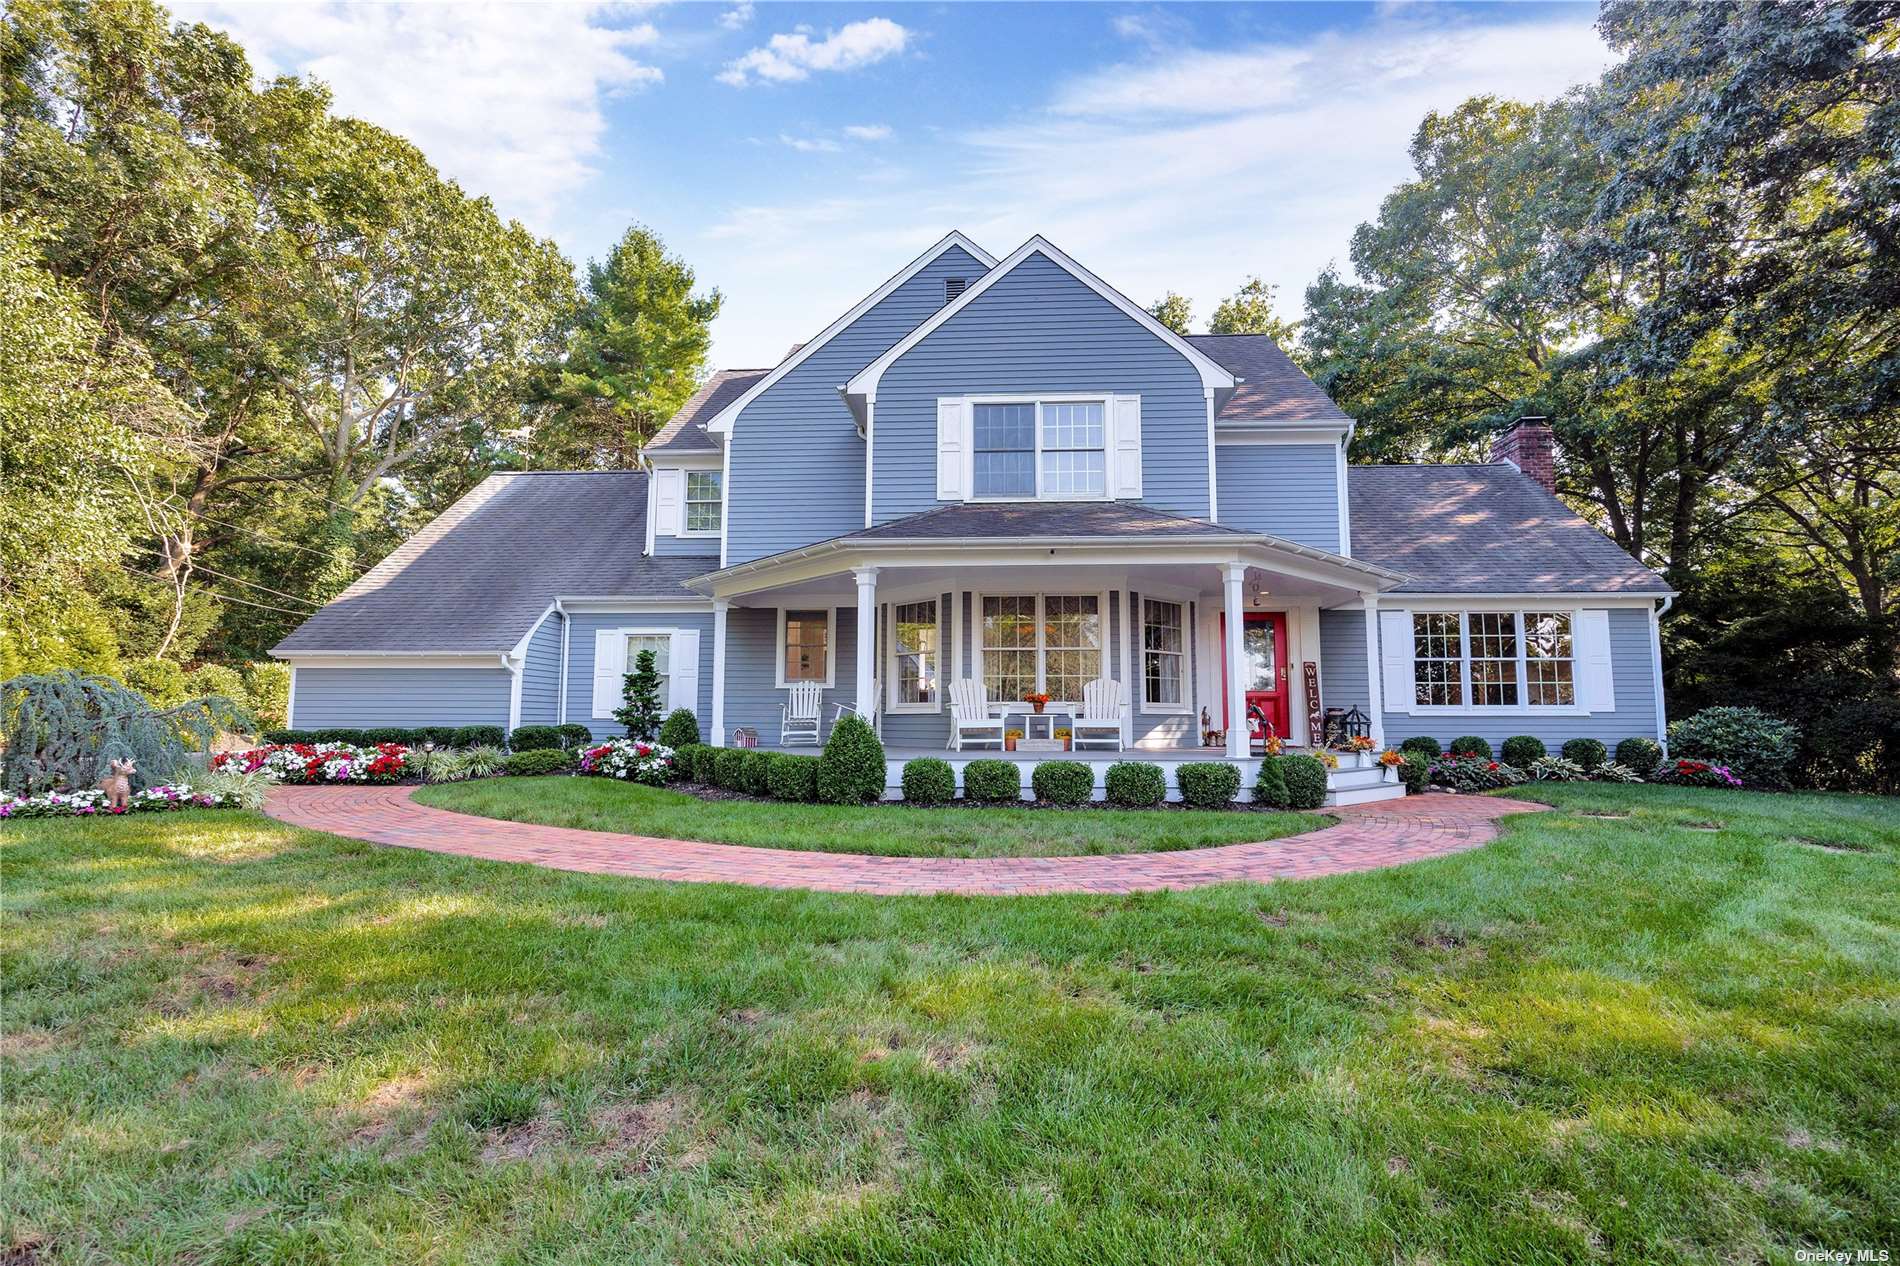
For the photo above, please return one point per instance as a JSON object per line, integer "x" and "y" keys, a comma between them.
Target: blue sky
{"x": 796, "y": 154}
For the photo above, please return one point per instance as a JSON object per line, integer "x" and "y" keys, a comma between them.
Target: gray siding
{"x": 541, "y": 675}
{"x": 797, "y": 463}
{"x": 1342, "y": 664}
{"x": 580, "y": 662}
{"x": 1039, "y": 329}
{"x": 1631, "y": 667}
{"x": 752, "y": 694}
{"x": 402, "y": 696}
{"x": 918, "y": 729}
{"x": 1289, "y": 490}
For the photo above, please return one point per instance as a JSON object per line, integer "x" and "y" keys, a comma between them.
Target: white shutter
{"x": 672, "y": 491}
{"x": 610, "y": 666}
{"x": 1596, "y": 683}
{"x": 684, "y": 665}
{"x": 1395, "y": 660}
{"x": 953, "y": 450}
{"x": 1125, "y": 446}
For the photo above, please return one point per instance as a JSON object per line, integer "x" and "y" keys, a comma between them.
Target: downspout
{"x": 1655, "y": 667}
{"x": 566, "y": 624}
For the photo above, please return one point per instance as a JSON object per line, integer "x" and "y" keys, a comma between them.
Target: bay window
{"x": 1493, "y": 659}
{"x": 1052, "y": 449}
{"x": 1163, "y": 654}
{"x": 1052, "y": 643}
{"x": 916, "y": 652}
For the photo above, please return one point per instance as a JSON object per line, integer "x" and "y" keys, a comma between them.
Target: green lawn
{"x": 1595, "y": 1039}
{"x": 602, "y": 804}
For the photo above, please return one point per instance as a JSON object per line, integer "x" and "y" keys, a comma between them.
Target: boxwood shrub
{"x": 390, "y": 734}
{"x": 1208, "y": 786}
{"x": 683, "y": 758}
{"x": 289, "y": 736}
{"x": 538, "y": 760}
{"x": 992, "y": 781}
{"x": 928, "y": 780}
{"x": 1757, "y": 748}
{"x": 339, "y": 734}
{"x": 1422, "y": 743}
{"x": 1586, "y": 752}
{"x": 756, "y": 772}
{"x": 535, "y": 738}
{"x": 680, "y": 728}
{"x": 791, "y": 776}
{"x": 1305, "y": 781}
{"x": 1640, "y": 754}
{"x": 851, "y": 769}
{"x": 729, "y": 768}
{"x": 1415, "y": 773}
{"x": 1521, "y": 750}
{"x": 479, "y": 736}
{"x": 1135, "y": 784}
{"x": 705, "y": 769}
{"x": 1270, "y": 788}
{"x": 1471, "y": 745}
{"x": 440, "y": 735}
{"x": 574, "y": 735}
{"x": 1064, "y": 782}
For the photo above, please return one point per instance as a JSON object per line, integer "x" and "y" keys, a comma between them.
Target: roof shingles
{"x": 685, "y": 431}
{"x": 1272, "y": 387}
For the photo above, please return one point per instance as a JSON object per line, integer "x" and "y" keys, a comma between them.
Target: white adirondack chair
{"x": 868, "y": 709}
{"x": 1100, "y": 720}
{"x": 798, "y": 715}
{"x": 970, "y": 719}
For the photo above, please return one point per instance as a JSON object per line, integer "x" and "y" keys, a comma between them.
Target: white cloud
{"x": 504, "y": 98}
{"x": 794, "y": 55}
{"x": 810, "y": 144}
{"x": 738, "y": 16}
{"x": 869, "y": 131}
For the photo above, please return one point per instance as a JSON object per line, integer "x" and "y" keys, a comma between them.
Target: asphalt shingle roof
{"x": 479, "y": 576}
{"x": 685, "y": 431}
{"x": 1005, "y": 519}
{"x": 1273, "y": 388}
{"x": 1483, "y": 529}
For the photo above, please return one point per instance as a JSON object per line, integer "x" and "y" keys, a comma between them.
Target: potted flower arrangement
{"x": 1009, "y": 739}
{"x": 1037, "y": 699}
{"x": 1358, "y": 748}
{"x": 1067, "y": 736}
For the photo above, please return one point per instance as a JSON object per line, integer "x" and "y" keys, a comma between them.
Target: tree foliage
{"x": 1249, "y": 310}
{"x": 639, "y": 710}
{"x": 1174, "y": 311}
{"x": 61, "y": 729}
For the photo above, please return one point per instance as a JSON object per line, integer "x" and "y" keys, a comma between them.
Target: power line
{"x": 278, "y": 541}
{"x": 276, "y": 593}
{"x": 221, "y": 597}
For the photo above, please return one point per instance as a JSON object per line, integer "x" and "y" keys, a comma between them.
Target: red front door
{"x": 1263, "y": 649}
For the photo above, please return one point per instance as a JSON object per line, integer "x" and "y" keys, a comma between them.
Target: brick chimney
{"x": 1529, "y": 445}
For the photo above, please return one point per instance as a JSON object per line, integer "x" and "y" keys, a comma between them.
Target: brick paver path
{"x": 1370, "y": 836}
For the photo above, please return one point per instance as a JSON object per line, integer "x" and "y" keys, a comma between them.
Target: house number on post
{"x": 1313, "y": 722}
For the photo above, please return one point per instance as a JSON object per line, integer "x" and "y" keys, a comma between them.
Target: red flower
{"x": 1494, "y": 764}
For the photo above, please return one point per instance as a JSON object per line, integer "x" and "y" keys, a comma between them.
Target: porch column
{"x": 718, "y": 735}
{"x": 1375, "y": 673}
{"x": 867, "y": 637}
{"x": 1234, "y": 580}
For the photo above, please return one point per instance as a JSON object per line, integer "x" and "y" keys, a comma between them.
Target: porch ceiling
{"x": 1265, "y": 588}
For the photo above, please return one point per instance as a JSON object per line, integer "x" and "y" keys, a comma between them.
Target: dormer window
{"x": 1041, "y": 449}
{"x": 953, "y": 288}
{"x": 703, "y": 502}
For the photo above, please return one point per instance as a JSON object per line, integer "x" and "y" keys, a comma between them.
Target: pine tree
{"x": 640, "y": 695}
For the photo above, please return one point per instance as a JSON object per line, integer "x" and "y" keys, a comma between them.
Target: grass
{"x": 603, "y": 804}
{"x": 1596, "y": 1039}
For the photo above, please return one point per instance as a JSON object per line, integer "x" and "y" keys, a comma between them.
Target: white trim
{"x": 398, "y": 659}
{"x": 1128, "y": 670}
{"x": 892, "y": 703}
{"x": 520, "y": 649}
{"x": 1213, "y": 375}
{"x": 1281, "y": 432}
{"x": 686, "y": 505}
{"x": 718, "y": 734}
{"x": 608, "y": 605}
{"x": 831, "y": 644}
{"x": 956, "y": 635}
{"x": 290, "y": 701}
{"x": 1138, "y": 630}
{"x": 1345, "y": 510}
{"x": 725, "y": 482}
{"x": 1234, "y": 622}
{"x": 653, "y": 497}
{"x": 1213, "y": 467}
{"x": 721, "y": 423}
{"x": 1110, "y": 442}
{"x": 976, "y": 633}
{"x": 516, "y": 671}
{"x": 621, "y": 635}
{"x": 1375, "y": 673}
{"x": 870, "y": 458}
{"x": 1655, "y": 668}
{"x": 866, "y": 644}
{"x": 1409, "y": 707}
{"x": 567, "y": 632}
{"x": 1511, "y": 601}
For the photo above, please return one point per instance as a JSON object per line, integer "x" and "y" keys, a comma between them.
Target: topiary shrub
{"x": 1471, "y": 745}
{"x": 574, "y": 735}
{"x": 1422, "y": 743}
{"x": 1208, "y": 786}
{"x": 535, "y": 738}
{"x": 639, "y": 710}
{"x": 756, "y": 772}
{"x": 928, "y": 780}
{"x": 729, "y": 768}
{"x": 1063, "y": 782}
{"x": 1639, "y": 754}
{"x": 1135, "y": 784}
{"x": 791, "y": 776}
{"x": 1305, "y": 781}
{"x": 1757, "y": 748}
{"x": 680, "y": 728}
{"x": 851, "y": 770}
{"x": 705, "y": 769}
{"x": 1416, "y": 773}
{"x": 1522, "y": 749}
{"x": 992, "y": 781}
{"x": 1270, "y": 788}
{"x": 478, "y": 736}
{"x": 538, "y": 760}
{"x": 1587, "y": 753}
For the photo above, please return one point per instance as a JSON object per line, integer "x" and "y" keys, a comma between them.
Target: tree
{"x": 1249, "y": 310}
{"x": 639, "y": 711}
{"x": 637, "y": 353}
{"x": 1174, "y": 311}
{"x": 61, "y": 729}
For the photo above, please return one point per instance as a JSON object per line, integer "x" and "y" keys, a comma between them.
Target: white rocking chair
{"x": 860, "y": 708}
{"x": 798, "y": 715}
{"x": 1100, "y": 721}
{"x": 970, "y": 719}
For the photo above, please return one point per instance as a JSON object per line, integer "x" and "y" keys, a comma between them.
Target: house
{"x": 1004, "y": 470}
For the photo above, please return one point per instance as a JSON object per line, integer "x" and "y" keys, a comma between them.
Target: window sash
{"x": 1481, "y": 661}
{"x": 1051, "y": 643}
{"x": 807, "y": 641}
{"x": 917, "y": 652}
{"x": 1043, "y": 450}
{"x": 1164, "y": 658}
{"x": 661, "y": 644}
{"x": 704, "y": 502}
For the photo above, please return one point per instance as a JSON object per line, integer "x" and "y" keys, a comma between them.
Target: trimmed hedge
{"x": 1305, "y": 781}
{"x": 1063, "y": 782}
{"x": 1585, "y": 752}
{"x": 706, "y": 765}
{"x": 1640, "y": 754}
{"x": 1270, "y": 788}
{"x": 755, "y": 771}
{"x": 1470, "y": 745}
{"x": 479, "y": 736}
{"x": 440, "y": 735}
{"x": 1416, "y": 774}
{"x": 791, "y": 776}
{"x": 992, "y": 781}
{"x": 851, "y": 770}
{"x": 1208, "y": 786}
{"x": 680, "y": 728}
{"x": 339, "y": 734}
{"x": 1422, "y": 743}
{"x": 928, "y": 780}
{"x": 535, "y": 738}
{"x": 1521, "y": 750}
{"x": 729, "y": 768}
{"x": 1135, "y": 784}
{"x": 278, "y": 737}
{"x": 683, "y": 758}
{"x": 538, "y": 760}
{"x": 389, "y": 734}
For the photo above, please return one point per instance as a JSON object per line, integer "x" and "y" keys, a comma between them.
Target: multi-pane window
{"x": 1549, "y": 659}
{"x": 1494, "y": 659}
{"x": 914, "y": 646}
{"x": 1052, "y": 643}
{"x": 1072, "y": 644}
{"x": 703, "y": 502}
{"x": 807, "y": 638}
{"x": 661, "y": 644}
{"x": 1009, "y": 647}
{"x": 1056, "y": 449}
{"x": 1162, "y": 654}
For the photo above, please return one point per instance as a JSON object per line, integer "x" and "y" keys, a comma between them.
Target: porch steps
{"x": 1360, "y": 786}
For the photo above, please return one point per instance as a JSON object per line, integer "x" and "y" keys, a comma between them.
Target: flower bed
{"x": 632, "y": 760}
{"x": 76, "y": 804}
{"x": 320, "y": 762}
{"x": 1696, "y": 773}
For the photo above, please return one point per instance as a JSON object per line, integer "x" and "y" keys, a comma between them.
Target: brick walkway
{"x": 1370, "y": 836}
